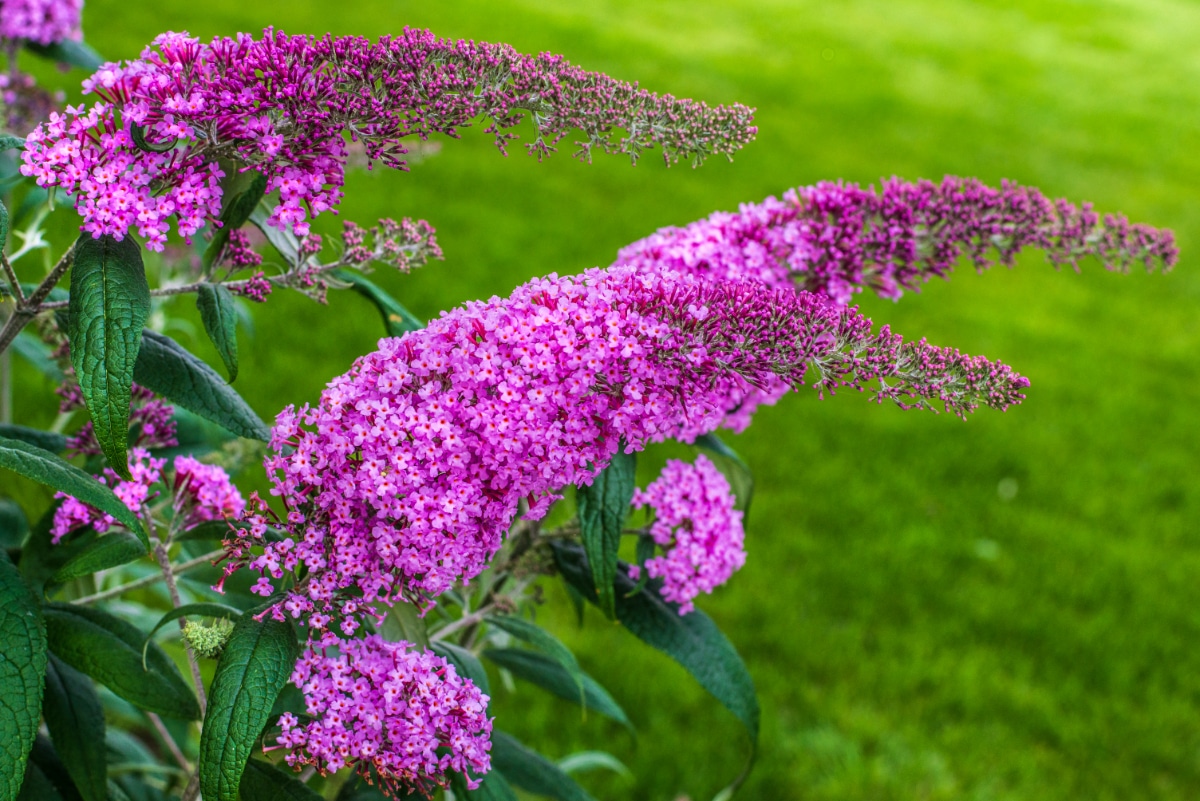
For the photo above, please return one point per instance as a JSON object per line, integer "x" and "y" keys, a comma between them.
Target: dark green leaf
{"x": 109, "y": 301}
{"x": 37, "y": 353}
{"x": 603, "y": 507}
{"x": 46, "y": 440}
{"x": 165, "y": 367}
{"x": 550, "y": 676}
{"x": 219, "y": 316}
{"x": 138, "y": 134}
{"x": 220, "y": 529}
{"x": 10, "y": 142}
{"x": 109, "y": 550}
{"x": 204, "y": 609}
{"x": 545, "y": 642}
{"x": 37, "y": 787}
{"x": 46, "y": 468}
{"x": 531, "y": 771}
{"x": 396, "y": 318}
{"x": 645, "y": 551}
{"x": 241, "y": 192}
{"x": 692, "y": 640}
{"x": 283, "y": 241}
{"x": 404, "y": 622}
{"x": 466, "y": 664}
{"x": 75, "y": 719}
{"x": 256, "y": 663}
{"x": 741, "y": 480}
{"x": 77, "y": 54}
{"x": 110, "y": 651}
{"x": 22, "y": 670}
{"x": 47, "y": 760}
{"x": 265, "y": 782}
{"x": 13, "y": 524}
{"x": 493, "y": 788}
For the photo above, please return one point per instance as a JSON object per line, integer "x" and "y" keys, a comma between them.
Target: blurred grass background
{"x": 916, "y": 630}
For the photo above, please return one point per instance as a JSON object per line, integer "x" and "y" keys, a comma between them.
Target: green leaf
{"x": 396, "y": 318}
{"x": 550, "y": 676}
{"x": 204, "y": 609}
{"x": 138, "y": 134}
{"x": 466, "y": 664}
{"x": 22, "y": 670}
{"x": 583, "y": 761}
{"x": 36, "y": 787}
{"x": 37, "y": 353}
{"x": 220, "y": 529}
{"x": 741, "y": 480}
{"x": 166, "y": 368}
{"x": 46, "y": 440}
{"x": 110, "y": 550}
{"x": 10, "y": 142}
{"x": 219, "y": 316}
{"x": 603, "y": 507}
{"x": 46, "y": 468}
{"x": 46, "y": 759}
{"x": 75, "y": 719}
{"x": 109, "y": 650}
{"x": 109, "y": 301}
{"x": 404, "y": 622}
{"x": 692, "y": 640}
{"x": 77, "y": 54}
{"x": 13, "y": 524}
{"x": 256, "y": 663}
{"x": 493, "y": 788}
{"x": 241, "y": 192}
{"x": 265, "y": 782}
{"x": 545, "y": 642}
{"x": 283, "y": 241}
{"x": 531, "y": 771}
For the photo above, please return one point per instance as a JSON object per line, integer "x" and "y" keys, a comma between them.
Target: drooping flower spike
{"x": 837, "y": 238}
{"x": 408, "y": 473}
{"x": 284, "y": 105}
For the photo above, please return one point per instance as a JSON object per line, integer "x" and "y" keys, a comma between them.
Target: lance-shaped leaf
{"x": 109, "y": 650}
{"x": 22, "y": 671}
{"x": 256, "y": 663}
{"x": 404, "y": 622}
{"x": 603, "y": 507}
{"x": 466, "y": 664}
{"x": 283, "y": 241}
{"x": 77, "y": 54}
{"x": 110, "y": 550}
{"x": 3, "y": 225}
{"x": 531, "y": 771}
{"x": 46, "y": 440}
{"x": 36, "y": 352}
{"x": 219, "y": 315}
{"x": 75, "y": 719}
{"x": 14, "y": 525}
{"x": 109, "y": 301}
{"x": 692, "y": 640}
{"x": 396, "y": 318}
{"x": 545, "y": 642}
{"x": 741, "y": 480}
{"x": 550, "y": 676}
{"x": 241, "y": 192}
{"x": 493, "y": 788}
{"x": 46, "y": 468}
{"x": 263, "y": 781}
{"x": 166, "y": 368}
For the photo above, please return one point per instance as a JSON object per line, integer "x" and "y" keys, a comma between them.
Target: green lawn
{"x": 913, "y": 634}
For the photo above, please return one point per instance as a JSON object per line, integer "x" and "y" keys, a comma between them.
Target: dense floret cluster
{"x": 698, "y": 528}
{"x": 407, "y": 474}
{"x": 283, "y": 105}
{"x": 395, "y": 713}
{"x": 145, "y": 471}
{"x": 837, "y": 238}
{"x": 41, "y": 21}
{"x": 203, "y": 492}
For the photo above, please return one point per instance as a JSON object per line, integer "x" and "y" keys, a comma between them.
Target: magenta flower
{"x": 379, "y": 705}
{"x": 283, "y": 105}
{"x": 145, "y": 470}
{"x": 203, "y": 492}
{"x": 408, "y": 473}
{"x": 696, "y": 526}
{"x": 150, "y": 420}
{"x": 41, "y": 21}
{"x": 837, "y": 238}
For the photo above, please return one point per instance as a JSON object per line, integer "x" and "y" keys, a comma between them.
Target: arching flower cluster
{"x": 283, "y": 105}
{"x": 837, "y": 238}
{"x": 403, "y": 714}
{"x": 407, "y": 474}
{"x": 41, "y": 21}
{"x": 698, "y": 528}
{"x": 203, "y": 492}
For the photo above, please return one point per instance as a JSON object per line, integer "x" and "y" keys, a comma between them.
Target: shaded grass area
{"x": 914, "y": 632}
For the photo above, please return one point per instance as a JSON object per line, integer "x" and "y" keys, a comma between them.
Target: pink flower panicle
{"x": 837, "y": 238}
{"x": 239, "y": 252}
{"x": 204, "y": 492}
{"x": 402, "y": 715}
{"x": 407, "y": 474}
{"x": 698, "y": 528}
{"x": 282, "y": 105}
{"x": 145, "y": 470}
{"x": 256, "y": 288}
{"x": 41, "y": 21}
{"x": 150, "y": 421}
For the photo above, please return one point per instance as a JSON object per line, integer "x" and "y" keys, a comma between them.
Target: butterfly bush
{"x": 837, "y": 238}
{"x": 697, "y": 526}
{"x": 284, "y": 105}
{"x": 203, "y": 492}
{"x": 408, "y": 472}
{"x": 41, "y": 21}
{"x": 395, "y": 713}
{"x": 145, "y": 471}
